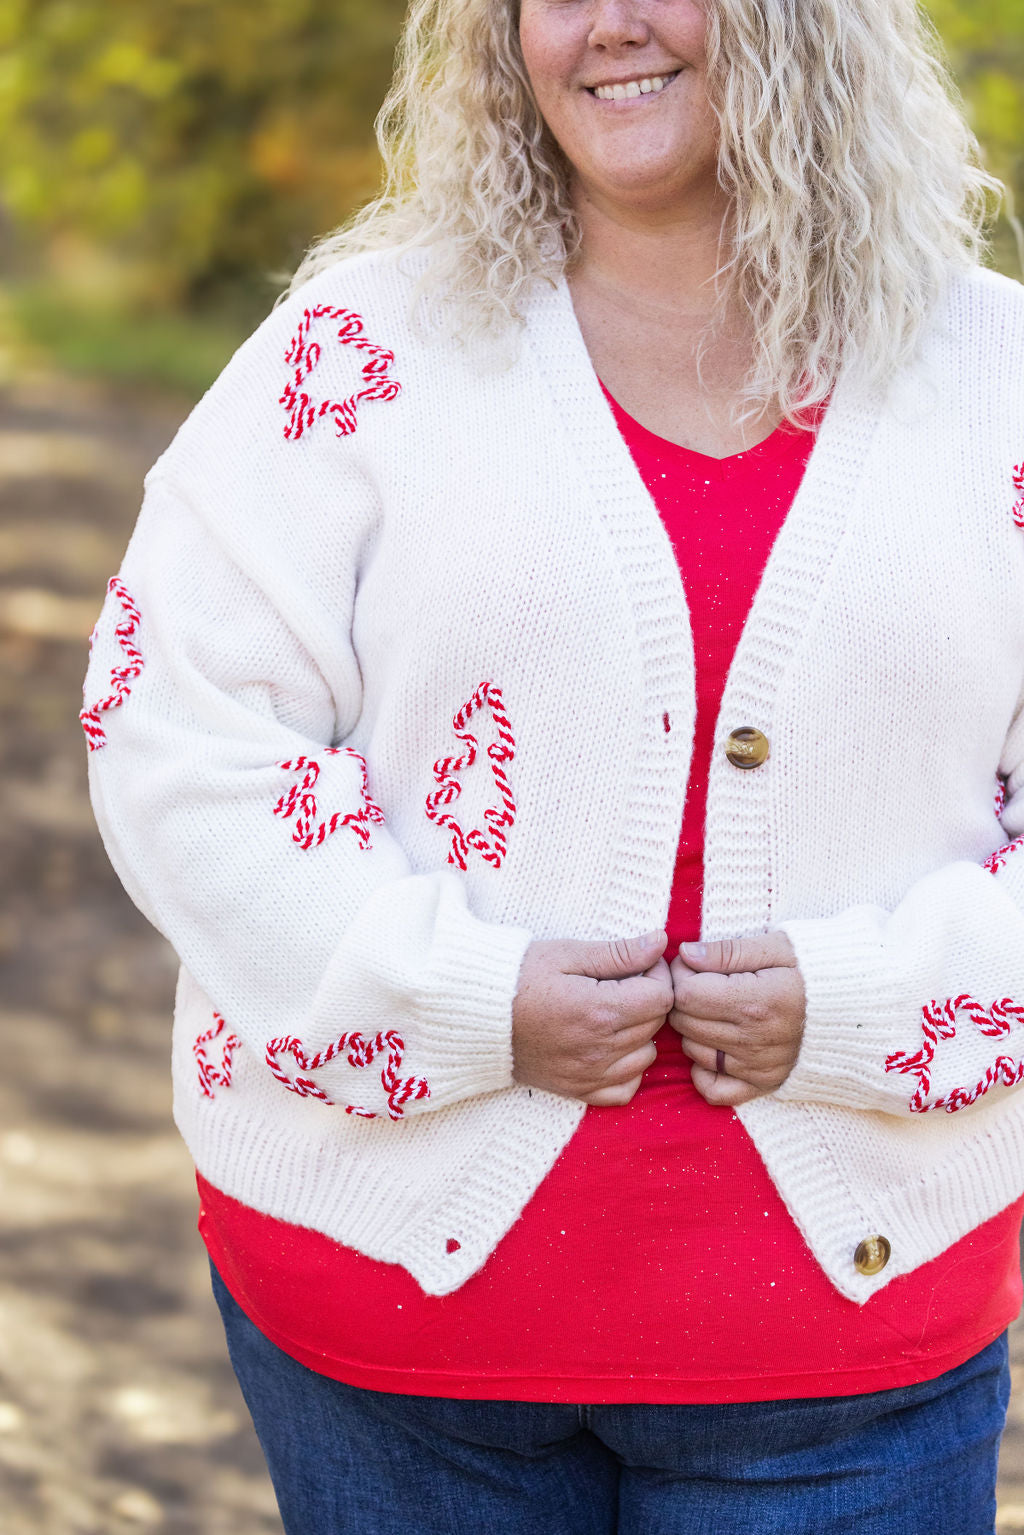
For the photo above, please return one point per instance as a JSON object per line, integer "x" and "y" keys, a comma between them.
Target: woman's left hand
{"x": 744, "y": 997}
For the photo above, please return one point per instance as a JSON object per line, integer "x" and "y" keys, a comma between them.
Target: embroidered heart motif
{"x": 501, "y": 752}
{"x": 120, "y": 676}
{"x": 1018, "y": 483}
{"x": 939, "y": 1020}
{"x": 303, "y": 356}
{"x": 209, "y": 1074}
{"x": 360, "y": 1053}
{"x": 308, "y": 831}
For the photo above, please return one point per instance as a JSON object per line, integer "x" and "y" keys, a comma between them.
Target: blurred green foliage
{"x": 199, "y": 142}
{"x": 177, "y": 157}
{"x": 985, "y": 40}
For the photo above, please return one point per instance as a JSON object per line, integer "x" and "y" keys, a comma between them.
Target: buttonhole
{"x": 451, "y": 1246}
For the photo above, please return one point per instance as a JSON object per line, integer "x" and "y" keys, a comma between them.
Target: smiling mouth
{"x": 631, "y": 90}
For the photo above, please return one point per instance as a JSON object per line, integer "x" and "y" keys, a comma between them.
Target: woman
{"x": 647, "y": 458}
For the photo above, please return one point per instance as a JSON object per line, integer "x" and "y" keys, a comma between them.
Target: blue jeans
{"x": 912, "y": 1461}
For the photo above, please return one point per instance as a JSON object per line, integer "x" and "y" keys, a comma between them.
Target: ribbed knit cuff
{"x": 856, "y": 1015}
{"x": 465, "y": 1010}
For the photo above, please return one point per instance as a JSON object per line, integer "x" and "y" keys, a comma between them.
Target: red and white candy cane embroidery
{"x": 211, "y": 1075}
{"x": 501, "y": 752}
{"x": 359, "y": 1052}
{"x": 303, "y": 356}
{"x": 1018, "y": 484}
{"x": 308, "y": 831}
{"x": 997, "y": 860}
{"x": 939, "y": 1021}
{"x": 120, "y": 676}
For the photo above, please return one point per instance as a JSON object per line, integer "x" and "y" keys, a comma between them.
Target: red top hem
{"x": 598, "y": 1390}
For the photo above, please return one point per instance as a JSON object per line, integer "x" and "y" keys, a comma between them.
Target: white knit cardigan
{"x": 398, "y": 676}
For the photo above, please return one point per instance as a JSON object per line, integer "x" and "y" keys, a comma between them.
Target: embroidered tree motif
{"x": 308, "y": 831}
{"x": 211, "y": 1075}
{"x": 120, "y": 676}
{"x": 500, "y": 818}
{"x": 939, "y": 1021}
{"x": 1018, "y": 482}
{"x": 360, "y": 1052}
{"x": 303, "y": 355}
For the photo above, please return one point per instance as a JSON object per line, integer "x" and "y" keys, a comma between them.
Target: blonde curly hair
{"x": 856, "y": 188}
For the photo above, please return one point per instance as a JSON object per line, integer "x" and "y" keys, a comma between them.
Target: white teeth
{"x": 633, "y": 88}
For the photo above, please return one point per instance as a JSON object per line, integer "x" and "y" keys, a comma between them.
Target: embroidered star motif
{"x": 300, "y": 797}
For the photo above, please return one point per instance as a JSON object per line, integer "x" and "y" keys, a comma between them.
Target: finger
{"x": 616, "y": 958}
{"x": 717, "y": 1032}
{"x": 731, "y": 956}
{"x": 614, "y": 1097}
{"x": 722, "y": 1092}
{"x": 631, "y": 1065}
{"x": 763, "y": 1006}
{"x": 763, "y": 1069}
{"x": 638, "y": 1036}
{"x": 706, "y": 1056}
{"x": 762, "y": 1077}
{"x": 713, "y": 991}
{"x": 642, "y": 999}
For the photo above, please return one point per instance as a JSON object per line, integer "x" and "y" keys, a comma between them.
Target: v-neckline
{"x": 784, "y": 435}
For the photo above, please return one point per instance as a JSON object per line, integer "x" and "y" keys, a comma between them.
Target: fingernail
{"x": 652, "y": 937}
{"x": 694, "y": 950}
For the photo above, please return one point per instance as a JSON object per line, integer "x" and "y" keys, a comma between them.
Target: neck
{"x": 653, "y": 260}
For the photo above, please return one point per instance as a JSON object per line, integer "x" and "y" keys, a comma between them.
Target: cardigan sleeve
{"x": 921, "y": 1008}
{"x": 260, "y": 852}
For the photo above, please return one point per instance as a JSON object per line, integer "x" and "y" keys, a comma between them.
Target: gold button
{"x": 747, "y": 747}
{"x": 872, "y": 1255}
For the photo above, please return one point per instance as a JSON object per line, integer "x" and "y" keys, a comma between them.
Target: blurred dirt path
{"x": 118, "y": 1410}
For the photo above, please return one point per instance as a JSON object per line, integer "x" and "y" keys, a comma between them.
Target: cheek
{"x": 548, "y": 44}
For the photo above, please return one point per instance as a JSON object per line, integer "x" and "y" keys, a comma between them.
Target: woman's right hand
{"x": 585, "y": 1016}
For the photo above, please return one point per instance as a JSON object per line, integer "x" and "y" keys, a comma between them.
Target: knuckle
{"x": 592, "y": 1062}
{"x": 602, "y": 1016}
{"x": 619, "y": 950}
{"x": 730, "y": 952}
{"x": 755, "y": 1014}
{"x": 666, "y": 996}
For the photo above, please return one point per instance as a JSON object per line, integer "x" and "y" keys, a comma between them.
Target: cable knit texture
{"x": 379, "y": 695}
